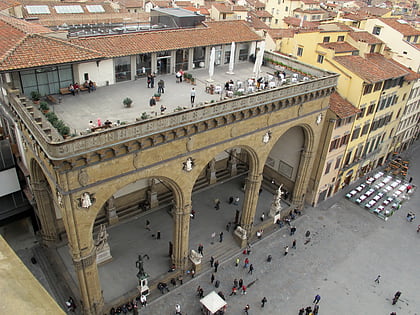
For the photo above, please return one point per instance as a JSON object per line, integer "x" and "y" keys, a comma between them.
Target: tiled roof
{"x": 6, "y": 4}
{"x": 37, "y": 50}
{"x": 23, "y": 26}
{"x": 263, "y": 13}
{"x": 373, "y": 68}
{"x": 365, "y": 37}
{"x": 215, "y": 33}
{"x": 202, "y": 10}
{"x": 256, "y": 3}
{"x": 339, "y": 47}
{"x": 222, "y": 8}
{"x": 404, "y": 28}
{"x": 255, "y": 22}
{"x": 183, "y": 3}
{"x": 310, "y": 11}
{"x": 359, "y": 16}
{"x": 281, "y": 33}
{"x": 310, "y": 1}
{"x": 375, "y": 11}
{"x": 237, "y": 8}
{"x": 295, "y": 22}
{"x": 341, "y": 107}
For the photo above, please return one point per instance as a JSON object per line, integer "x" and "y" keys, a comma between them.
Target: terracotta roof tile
{"x": 36, "y": 51}
{"x": 295, "y": 22}
{"x": 201, "y": 10}
{"x": 256, "y": 23}
{"x": 341, "y": 107}
{"x": 256, "y": 3}
{"x": 153, "y": 41}
{"x": 365, "y": 37}
{"x": 281, "y": 33}
{"x": 24, "y": 26}
{"x": 339, "y": 47}
{"x": 6, "y": 4}
{"x": 404, "y": 28}
{"x": 263, "y": 13}
{"x": 375, "y": 11}
{"x": 222, "y": 8}
{"x": 373, "y": 68}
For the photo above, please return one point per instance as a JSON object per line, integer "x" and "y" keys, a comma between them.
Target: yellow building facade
{"x": 377, "y": 86}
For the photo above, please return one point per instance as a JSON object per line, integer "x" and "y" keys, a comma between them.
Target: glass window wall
{"x": 181, "y": 59}
{"x": 46, "y": 80}
{"x": 243, "y": 52}
{"x": 199, "y": 56}
{"x": 122, "y": 67}
{"x": 143, "y": 64}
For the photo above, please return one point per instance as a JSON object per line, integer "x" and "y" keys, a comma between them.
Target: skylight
{"x": 37, "y": 9}
{"x": 97, "y": 8}
{"x": 68, "y": 9}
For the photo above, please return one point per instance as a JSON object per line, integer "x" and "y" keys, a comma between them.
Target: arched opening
{"x": 218, "y": 200}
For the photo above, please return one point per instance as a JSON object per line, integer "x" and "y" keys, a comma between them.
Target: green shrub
{"x": 51, "y": 117}
{"x": 35, "y": 95}
{"x": 127, "y": 101}
{"x": 64, "y": 130}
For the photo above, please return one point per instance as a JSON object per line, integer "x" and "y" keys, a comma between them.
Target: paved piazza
{"x": 349, "y": 247}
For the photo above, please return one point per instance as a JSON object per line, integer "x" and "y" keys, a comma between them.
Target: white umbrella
{"x": 259, "y": 60}
{"x": 211, "y": 65}
{"x": 232, "y": 58}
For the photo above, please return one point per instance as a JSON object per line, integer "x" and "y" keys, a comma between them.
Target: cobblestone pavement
{"x": 349, "y": 248}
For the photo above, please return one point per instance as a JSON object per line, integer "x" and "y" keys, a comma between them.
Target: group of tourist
{"x": 74, "y": 88}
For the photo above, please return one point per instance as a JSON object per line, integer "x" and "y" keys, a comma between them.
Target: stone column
{"x": 45, "y": 211}
{"x": 253, "y": 184}
{"x": 181, "y": 217}
{"x": 232, "y": 163}
{"x": 88, "y": 279}
{"x": 111, "y": 211}
{"x": 211, "y": 172}
{"x": 153, "y": 65}
{"x": 302, "y": 179}
{"x": 190, "y": 59}
{"x": 152, "y": 194}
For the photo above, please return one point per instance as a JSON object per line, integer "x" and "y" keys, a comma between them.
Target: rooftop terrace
{"x": 107, "y": 103}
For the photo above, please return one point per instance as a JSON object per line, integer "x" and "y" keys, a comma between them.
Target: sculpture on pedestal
{"x": 103, "y": 251}
{"x": 276, "y": 204}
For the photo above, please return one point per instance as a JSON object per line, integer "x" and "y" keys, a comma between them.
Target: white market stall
{"x": 212, "y": 303}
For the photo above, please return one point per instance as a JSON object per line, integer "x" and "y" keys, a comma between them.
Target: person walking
{"x": 161, "y": 86}
{"x": 237, "y": 260}
{"x": 246, "y": 262}
{"x": 292, "y": 230}
{"x": 396, "y": 297}
{"x": 263, "y": 301}
{"x": 233, "y": 291}
{"x": 143, "y": 300}
{"x": 221, "y": 237}
{"x": 246, "y": 309}
{"x": 192, "y": 96}
{"x": 148, "y": 225}
{"x": 152, "y": 101}
{"x": 212, "y": 278}
{"x": 308, "y": 310}
{"x": 240, "y": 283}
{"x": 377, "y": 279}
{"x": 286, "y": 250}
{"x": 158, "y": 235}
{"x": 243, "y": 289}
{"x": 200, "y": 249}
{"x": 216, "y": 265}
{"x": 301, "y": 311}
{"x": 178, "y": 309}
{"x": 251, "y": 269}
{"x": 294, "y": 244}
{"x": 316, "y": 309}
{"x": 235, "y": 283}
{"x": 317, "y": 299}
{"x": 211, "y": 261}
{"x": 236, "y": 201}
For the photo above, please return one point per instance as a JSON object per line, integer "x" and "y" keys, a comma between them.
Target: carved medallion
{"x": 233, "y": 132}
{"x": 83, "y": 177}
{"x": 190, "y": 144}
{"x": 267, "y": 137}
{"x": 319, "y": 119}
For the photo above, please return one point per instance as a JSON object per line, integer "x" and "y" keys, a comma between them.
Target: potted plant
{"x": 157, "y": 96}
{"x": 35, "y": 96}
{"x": 127, "y": 102}
{"x": 189, "y": 77}
{"x": 186, "y": 77}
{"x": 43, "y": 107}
{"x": 64, "y": 131}
{"x": 193, "y": 81}
{"x": 51, "y": 117}
{"x": 144, "y": 116}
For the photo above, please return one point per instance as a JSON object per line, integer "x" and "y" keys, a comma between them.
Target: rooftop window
{"x": 37, "y": 9}
{"x": 68, "y": 9}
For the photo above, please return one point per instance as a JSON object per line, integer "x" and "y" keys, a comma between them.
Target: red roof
{"x": 365, "y": 37}
{"x": 216, "y": 33}
{"x": 295, "y": 22}
{"x": 373, "y": 68}
{"x": 339, "y": 47}
{"x": 401, "y": 26}
{"x": 341, "y": 107}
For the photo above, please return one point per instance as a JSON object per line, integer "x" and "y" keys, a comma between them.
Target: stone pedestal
{"x": 195, "y": 259}
{"x": 111, "y": 212}
{"x": 211, "y": 172}
{"x": 103, "y": 255}
{"x": 153, "y": 199}
{"x": 240, "y": 236}
{"x": 143, "y": 285}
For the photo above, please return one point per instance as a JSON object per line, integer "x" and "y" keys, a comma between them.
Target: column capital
{"x": 254, "y": 178}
